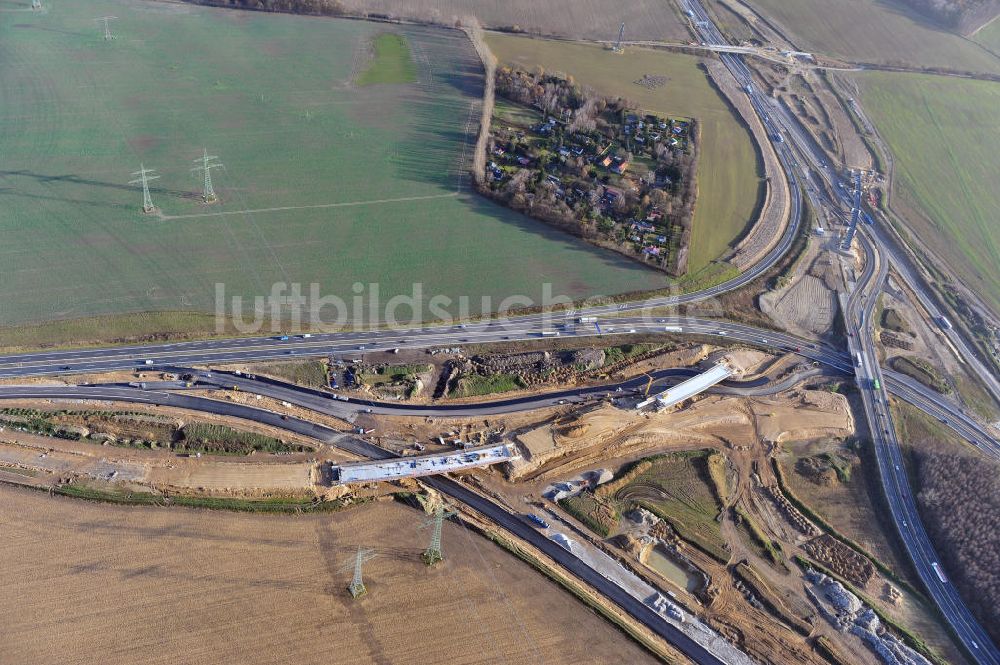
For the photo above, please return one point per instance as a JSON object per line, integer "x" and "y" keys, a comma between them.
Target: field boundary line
{"x": 343, "y": 204}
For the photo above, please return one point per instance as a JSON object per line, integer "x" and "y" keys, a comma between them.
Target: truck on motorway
{"x": 675, "y": 329}
{"x": 937, "y": 571}
{"x": 943, "y": 322}
{"x": 282, "y": 338}
{"x": 876, "y": 384}
{"x": 550, "y": 333}
{"x": 537, "y": 521}
{"x": 857, "y": 360}
{"x": 586, "y": 319}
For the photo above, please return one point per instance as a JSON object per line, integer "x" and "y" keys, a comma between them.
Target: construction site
{"x": 680, "y": 479}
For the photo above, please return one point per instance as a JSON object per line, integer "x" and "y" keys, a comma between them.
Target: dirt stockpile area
{"x": 88, "y": 583}
{"x": 808, "y": 304}
{"x": 611, "y": 431}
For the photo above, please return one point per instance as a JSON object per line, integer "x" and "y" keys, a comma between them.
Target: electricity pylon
{"x": 617, "y": 48}
{"x": 357, "y": 585}
{"x": 107, "y": 26}
{"x": 145, "y": 175}
{"x": 433, "y": 553}
{"x": 207, "y": 163}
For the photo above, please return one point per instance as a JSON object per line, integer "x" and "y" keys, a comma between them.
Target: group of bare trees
{"x": 960, "y": 500}
{"x": 959, "y": 14}
{"x": 312, "y": 7}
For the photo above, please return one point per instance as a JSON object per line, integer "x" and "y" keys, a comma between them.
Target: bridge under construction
{"x": 423, "y": 465}
{"x": 693, "y": 386}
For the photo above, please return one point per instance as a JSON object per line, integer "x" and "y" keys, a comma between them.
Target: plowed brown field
{"x": 92, "y": 583}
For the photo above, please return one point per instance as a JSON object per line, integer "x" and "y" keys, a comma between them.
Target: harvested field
{"x": 577, "y": 19}
{"x": 728, "y": 180}
{"x": 325, "y": 182}
{"x": 164, "y": 586}
{"x": 879, "y": 32}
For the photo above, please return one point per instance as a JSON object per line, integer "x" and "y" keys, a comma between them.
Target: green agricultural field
{"x": 392, "y": 61}
{"x": 989, "y": 36}
{"x": 868, "y": 31}
{"x": 324, "y": 181}
{"x": 945, "y": 135}
{"x": 728, "y": 178}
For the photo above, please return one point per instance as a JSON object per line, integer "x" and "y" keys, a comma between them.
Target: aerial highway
{"x": 796, "y": 153}
{"x": 871, "y": 380}
{"x": 892, "y": 470}
{"x": 346, "y": 345}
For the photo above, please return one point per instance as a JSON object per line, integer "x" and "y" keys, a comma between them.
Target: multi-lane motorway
{"x": 872, "y": 381}
{"x": 902, "y": 504}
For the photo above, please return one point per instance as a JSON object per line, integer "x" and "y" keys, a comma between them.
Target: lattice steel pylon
{"x": 107, "y": 26}
{"x": 357, "y": 585}
{"x": 206, "y": 163}
{"x": 145, "y": 175}
{"x": 617, "y": 48}
{"x": 433, "y": 553}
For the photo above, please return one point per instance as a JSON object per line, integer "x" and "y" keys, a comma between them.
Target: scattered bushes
{"x": 221, "y": 439}
{"x": 922, "y": 371}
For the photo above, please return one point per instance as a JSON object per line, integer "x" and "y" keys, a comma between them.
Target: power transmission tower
{"x": 433, "y": 553}
{"x": 107, "y": 26}
{"x": 357, "y": 585}
{"x": 145, "y": 175}
{"x": 207, "y": 163}
{"x": 617, "y": 48}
